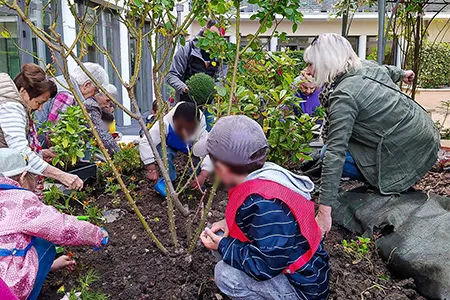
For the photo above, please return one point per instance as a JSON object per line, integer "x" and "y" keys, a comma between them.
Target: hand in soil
{"x": 324, "y": 219}
{"x": 73, "y": 182}
{"x": 63, "y": 262}
{"x": 221, "y": 225}
{"x": 152, "y": 172}
{"x": 197, "y": 183}
{"x": 210, "y": 239}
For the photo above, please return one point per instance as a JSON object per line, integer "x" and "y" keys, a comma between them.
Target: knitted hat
{"x": 234, "y": 140}
{"x": 12, "y": 162}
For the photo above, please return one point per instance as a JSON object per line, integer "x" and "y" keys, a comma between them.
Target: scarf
{"x": 35, "y": 145}
{"x": 324, "y": 98}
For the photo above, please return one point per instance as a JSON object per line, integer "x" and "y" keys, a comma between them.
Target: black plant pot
{"x": 84, "y": 170}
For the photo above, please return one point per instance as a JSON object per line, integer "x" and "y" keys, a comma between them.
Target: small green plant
{"x": 62, "y": 202}
{"x": 85, "y": 291}
{"x": 127, "y": 160}
{"x": 201, "y": 88}
{"x": 358, "y": 248}
{"x": 69, "y": 137}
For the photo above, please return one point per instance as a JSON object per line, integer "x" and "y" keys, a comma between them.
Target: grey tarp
{"x": 415, "y": 233}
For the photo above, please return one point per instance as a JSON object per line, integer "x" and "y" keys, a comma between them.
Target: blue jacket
{"x": 277, "y": 243}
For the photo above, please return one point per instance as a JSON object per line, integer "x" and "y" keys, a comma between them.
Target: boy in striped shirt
{"x": 271, "y": 247}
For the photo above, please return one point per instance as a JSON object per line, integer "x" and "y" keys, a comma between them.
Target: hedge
{"x": 435, "y": 64}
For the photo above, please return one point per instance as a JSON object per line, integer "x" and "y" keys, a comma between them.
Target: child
{"x": 271, "y": 247}
{"x": 307, "y": 91}
{"x": 184, "y": 124}
{"x": 28, "y": 229}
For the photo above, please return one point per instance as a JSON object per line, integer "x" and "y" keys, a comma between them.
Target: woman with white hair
{"x": 95, "y": 106}
{"x": 391, "y": 139}
{"x": 84, "y": 87}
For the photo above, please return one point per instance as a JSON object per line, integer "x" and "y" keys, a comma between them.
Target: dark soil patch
{"x": 131, "y": 267}
{"x": 435, "y": 182}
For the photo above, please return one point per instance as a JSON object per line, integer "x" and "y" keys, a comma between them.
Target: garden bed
{"x": 131, "y": 267}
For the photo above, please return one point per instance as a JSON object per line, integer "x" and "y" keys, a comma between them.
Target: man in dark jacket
{"x": 190, "y": 60}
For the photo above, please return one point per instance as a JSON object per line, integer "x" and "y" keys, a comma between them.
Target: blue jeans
{"x": 46, "y": 254}
{"x": 350, "y": 169}
{"x": 171, "y": 154}
{"x": 238, "y": 285}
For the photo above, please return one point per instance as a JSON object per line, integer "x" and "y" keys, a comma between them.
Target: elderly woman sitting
{"x": 84, "y": 87}
{"x": 95, "y": 107}
{"x": 391, "y": 139}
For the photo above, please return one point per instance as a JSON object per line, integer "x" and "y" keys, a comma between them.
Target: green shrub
{"x": 295, "y": 55}
{"x": 201, "y": 88}
{"x": 264, "y": 93}
{"x": 435, "y": 65}
{"x": 70, "y": 137}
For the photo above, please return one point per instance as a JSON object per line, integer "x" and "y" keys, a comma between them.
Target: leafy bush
{"x": 295, "y": 55}
{"x": 201, "y": 88}
{"x": 435, "y": 70}
{"x": 69, "y": 137}
{"x": 264, "y": 93}
{"x": 127, "y": 160}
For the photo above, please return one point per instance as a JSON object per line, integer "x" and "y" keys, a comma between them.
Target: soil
{"x": 131, "y": 267}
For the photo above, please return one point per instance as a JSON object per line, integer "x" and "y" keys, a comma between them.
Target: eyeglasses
{"x": 315, "y": 40}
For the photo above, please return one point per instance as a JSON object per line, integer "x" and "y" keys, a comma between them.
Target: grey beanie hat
{"x": 12, "y": 162}
{"x": 234, "y": 140}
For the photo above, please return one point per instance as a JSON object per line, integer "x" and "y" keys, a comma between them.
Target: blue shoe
{"x": 160, "y": 187}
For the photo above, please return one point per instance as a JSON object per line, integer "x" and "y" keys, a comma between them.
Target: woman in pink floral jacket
{"x": 28, "y": 229}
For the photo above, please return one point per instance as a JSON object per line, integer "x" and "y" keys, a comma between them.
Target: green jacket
{"x": 391, "y": 138}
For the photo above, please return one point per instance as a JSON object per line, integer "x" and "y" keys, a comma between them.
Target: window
{"x": 295, "y": 43}
{"x": 354, "y": 41}
{"x": 9, "y": 53}
{"x": 371, "y": 50}
{"x": 264, "y": 43}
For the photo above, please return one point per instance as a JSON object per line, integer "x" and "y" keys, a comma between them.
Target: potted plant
{"x": 70, "y": 139}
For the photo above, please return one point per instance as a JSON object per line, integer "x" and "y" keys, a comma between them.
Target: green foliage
{"x": 64, "y": 203}
{"x": 435, "y": 64}
{"x": 85, "y": 291}
{"x": 264, "y": 93}
{"x": 201, "y": 88}
{"x": 295, "y": 55}
{"x": 69, "y": 137}
{"x": 358, "y": 248}
{"x": 127, "y": 160}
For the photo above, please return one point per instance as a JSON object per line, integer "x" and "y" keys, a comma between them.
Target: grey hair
{"x": 96, "y": 70}
{"x": 331, "y": 55}
{"x": 112, "y": 90}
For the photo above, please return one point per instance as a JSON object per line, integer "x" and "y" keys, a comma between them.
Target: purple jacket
{"x": 310, "y": 102}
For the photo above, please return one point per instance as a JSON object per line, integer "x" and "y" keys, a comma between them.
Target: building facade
{"x": 318, "y": 18}
{"x": 18, "y": 45}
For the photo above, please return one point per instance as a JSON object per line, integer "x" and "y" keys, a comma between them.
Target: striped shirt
{"x": 13, "y": 123}
{"x": 276, "y": 243}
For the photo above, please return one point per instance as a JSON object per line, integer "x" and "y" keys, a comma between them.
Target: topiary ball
{"x": 201, "y": 88}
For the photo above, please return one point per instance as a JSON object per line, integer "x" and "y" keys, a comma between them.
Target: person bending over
{"x": 184, "y": 124}
{"x": 392, "y": 141}
{"x": 271, "y": 245}
{"x": 28, "y": 229}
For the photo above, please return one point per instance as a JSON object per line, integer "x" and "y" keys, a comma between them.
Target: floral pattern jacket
{"x": 23, "y": 216}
